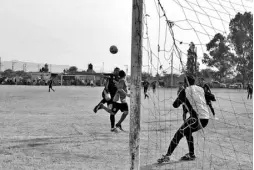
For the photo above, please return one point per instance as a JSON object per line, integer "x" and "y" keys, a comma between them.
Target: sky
{"x": 80, "y": 32}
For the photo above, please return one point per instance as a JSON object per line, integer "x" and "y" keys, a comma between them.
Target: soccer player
{"x": 50, "y": 84}
{"x": 121, "y": 88}
{"x": 110, "y": 87}
{"x": 249, "y": 91}
{"x": 146, "y": 85}
{"x": 207, "y": 92}
{"x": 154, "y": 86}
{"x": 194, "y": 98}
{"x": 114, "y": 106}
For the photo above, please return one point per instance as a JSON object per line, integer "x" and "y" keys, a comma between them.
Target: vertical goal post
{"x": 136, "y": 69}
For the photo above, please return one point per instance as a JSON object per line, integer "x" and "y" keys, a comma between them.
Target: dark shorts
{"x": 145, "y": 89}
{"x": 192, "y": 125}
{"x": 50, "y": 86}
{"x": 115, "y": 107}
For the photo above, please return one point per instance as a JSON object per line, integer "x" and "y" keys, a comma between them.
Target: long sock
{"x": 212, "y": 111}
{"x": 122, "y": 118}
{"x": 190, "y": 142}
{"x": 112, "y": 121}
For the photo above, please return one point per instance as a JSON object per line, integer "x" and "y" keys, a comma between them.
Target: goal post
{"x": 136, "y": 69}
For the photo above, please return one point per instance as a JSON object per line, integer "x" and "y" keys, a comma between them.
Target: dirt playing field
{"x": 58, "y": 130}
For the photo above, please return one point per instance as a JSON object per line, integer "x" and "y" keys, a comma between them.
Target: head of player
{"x": 201, "y": 82}
{"x": 116, "y": 71}
{"x": 189, "y": 80}
{"x": 122, "y": 74}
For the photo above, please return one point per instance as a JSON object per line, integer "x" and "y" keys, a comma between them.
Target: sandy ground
{"x": 42, "y": 130}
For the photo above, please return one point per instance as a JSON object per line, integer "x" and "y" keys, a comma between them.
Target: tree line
{"x": 231, "y": 55}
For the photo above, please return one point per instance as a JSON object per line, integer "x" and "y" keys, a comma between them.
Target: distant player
{"x": 249, "y": 91}
{"x": 91, "y": 83}
{"x": 111, "y": 89}
{"x": 146, "y": 85}
{"x": 50, "y": 82}
{"x": 207, "y": 93}
{"x": 194, "y": 98}
{"x": 154, "y": 86}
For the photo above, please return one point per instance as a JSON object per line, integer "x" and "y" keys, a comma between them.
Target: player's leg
{"x": 211, "y": 107}
{"x": 189, "y": 126}
{"x": 103, "y": 101}
{"x": 124, "y": 108}
{"x": 175, "y": 141}
{"x": 107, "y": 109}
{"x": 112, "y": 122}
{"x": 190, "y": 140}
{"x": 145, "y": 92}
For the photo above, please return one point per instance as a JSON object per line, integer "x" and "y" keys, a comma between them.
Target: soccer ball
{"x": 113, "y": 49}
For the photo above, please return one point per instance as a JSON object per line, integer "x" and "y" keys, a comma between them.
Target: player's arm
{"x": 106, "y": 85}
{"x": 208, "y": 88}
{"x": 179, "y": 100}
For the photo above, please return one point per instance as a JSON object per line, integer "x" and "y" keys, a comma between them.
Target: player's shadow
{"x": 154, "y": 166}
{"x": 164, "y": 166}
{"x": 36, "y": 142}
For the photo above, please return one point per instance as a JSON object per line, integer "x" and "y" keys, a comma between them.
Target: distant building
{"x": 40, "y": 76}
{"x": 84, "y": 77}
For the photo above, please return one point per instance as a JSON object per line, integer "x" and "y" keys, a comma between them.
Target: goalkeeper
{"x": 194, "y": 98}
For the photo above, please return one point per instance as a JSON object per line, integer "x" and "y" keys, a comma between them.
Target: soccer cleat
{"x": 188, "y": 157}
{"x": 96, "y": 108}
{"x": 164, "y": 158}
{"x": 119, "y": 127}
{"x": 113, "y": 130}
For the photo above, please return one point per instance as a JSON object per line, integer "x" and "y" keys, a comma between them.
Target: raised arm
{"x": 179, "y": 100}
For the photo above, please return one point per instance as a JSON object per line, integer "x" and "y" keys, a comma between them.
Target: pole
{"x": 172, "y": 70}
{"x": 136, "y": 68}
{"x": 126, "y": 69}
{"x": 0, "y": 64}
{"x": 196, "y": 71}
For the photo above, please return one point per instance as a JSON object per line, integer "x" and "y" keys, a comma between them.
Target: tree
{"x": 220, "y": 56}
{"x": 45, "y": 69}
{"x": 241, "y": 37}
{"x": 8, "y": 73}
{"x": 192, "y": 66}
{"x": 145, "y": 76}
{"x": 206, "y": 73}
{"x": 72, "y": 69}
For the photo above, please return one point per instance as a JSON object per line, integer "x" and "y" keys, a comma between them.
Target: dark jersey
{"x": 154, "y": 85}
{"x": 206, "y": 88}
{"x": 50, "y": 83}
{"x": 112, "y": 88}
{"x": 249, "y": 88}
{"x": 146, "y": 84}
